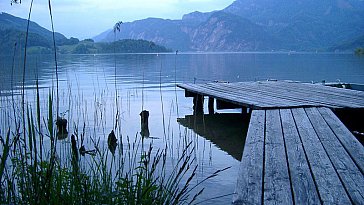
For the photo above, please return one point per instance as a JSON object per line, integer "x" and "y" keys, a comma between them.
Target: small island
{"x": 88, "y": 46}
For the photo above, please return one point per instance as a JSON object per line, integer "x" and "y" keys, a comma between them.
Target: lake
{"x": 87, "y": 85}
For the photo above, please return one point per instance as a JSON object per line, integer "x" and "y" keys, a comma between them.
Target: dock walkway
{"x": 297, "y": 151}
{"x": 278, "y": 94}
{"x": 300, "y": 156}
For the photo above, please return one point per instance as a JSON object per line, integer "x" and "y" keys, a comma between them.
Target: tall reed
{"x": 33, "y": 169}
{"x": 32, "y": 172}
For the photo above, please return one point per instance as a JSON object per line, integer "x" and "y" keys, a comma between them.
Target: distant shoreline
{"x": 170, "y": 52}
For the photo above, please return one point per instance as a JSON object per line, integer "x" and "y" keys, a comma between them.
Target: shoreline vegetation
{"x": 88, "y": 46}
{"x": 38, "y": 167}
{"x": 359, "y": 51}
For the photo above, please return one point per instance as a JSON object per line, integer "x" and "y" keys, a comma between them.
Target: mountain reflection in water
{"x": 226, "y": 130}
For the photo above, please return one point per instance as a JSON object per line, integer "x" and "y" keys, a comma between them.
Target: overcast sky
{"x": 87, "y": 18}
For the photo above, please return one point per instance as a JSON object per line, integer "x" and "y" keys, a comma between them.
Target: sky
{"x": 88, "y": 18}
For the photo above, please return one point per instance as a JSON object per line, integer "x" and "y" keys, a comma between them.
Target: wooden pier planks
{"x": 326, "y": 179}
{"x": 308, "y": 154}
{"x": 279, "y": 94}
{"x": 345, "y": 167}
{"x": 297, "y": 151}
{"x": 250, "y": 180}
{"x": 277, "y": 189}
{"x": 303, "y": 185}
{"x": 351, "y": 145}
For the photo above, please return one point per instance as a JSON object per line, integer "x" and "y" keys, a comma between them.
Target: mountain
{"x": 9, "y": 22}
{"x": 196, "y": 17}
{"x": 40, "y": 40}
{"x": 350, "y": 45}
{"x": 255, "y": 25}
{"x": 305, "y": 24}
{"x": 160, "y": 31}
{"x": 227, "y": 32}
{"x": 102, "y": 35}
{"x": 13, "y": 31}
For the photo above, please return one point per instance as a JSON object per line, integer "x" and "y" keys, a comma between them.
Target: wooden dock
{"x": 278, "y": 94}
{"x": 301, "y": 156}
{"x": 297, "y": 151}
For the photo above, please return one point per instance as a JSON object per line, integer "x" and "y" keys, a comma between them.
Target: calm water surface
{"x": 147, "y": 81}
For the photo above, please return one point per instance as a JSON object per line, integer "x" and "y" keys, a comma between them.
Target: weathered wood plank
{"x": 282, "y": 99}
{"x": 336, "y": 95}
{"x": 328, "y": 183}
{"x": 354, "y": 94}
{"x": 349, "y": 173}
{"x": 249, "y": 99}
{"x": 308, "y": 155}
{"x": 249, "y": 189}
{"x": 270, "y": 95}
{"x": 298, "y": 93}
{"x": 279, "y": 99}
{"x": 319, "y": 89}
{"x": 216, "y": 89}
{"x": 277, "y": 187}
{"x": 304, "y": 188}
{"x": 350, "y": 143}
{"x": 260, "y": 99}
{"x": 244, "y": 101}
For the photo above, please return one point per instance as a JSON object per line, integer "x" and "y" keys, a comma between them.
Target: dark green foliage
{"x": 82, "y": 48}
{"x": 19, "y": 25}
{"x": 6, "y": 149}
{"x": 10, "y": 37}
{"x": 350, "y": 45}
{"x": 359, "y": 51}
{"x": 71, "y": 41}
{"x": 123, "y": 46}
{"x": 132, "y": 176}
{"x": 8, "y": 21}
{"x": 88, "y": 40}
{"x": 131, "y": 46}
{"x": 13, "y": 30}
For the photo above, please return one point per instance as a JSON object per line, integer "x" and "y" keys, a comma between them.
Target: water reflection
{"x": 11, "y": 73}
{"x": 147, "y": 81}
{"x": 226, "y": 130}
{"x": 152, "y": 69}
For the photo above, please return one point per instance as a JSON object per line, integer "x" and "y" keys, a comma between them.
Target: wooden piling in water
{"x": 198, "y": 104}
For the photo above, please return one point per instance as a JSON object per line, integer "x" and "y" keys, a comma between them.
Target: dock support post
{"x": 244, "y": 110}
{"x": 198, "y": 104}
{"x": 211, "y": 105}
